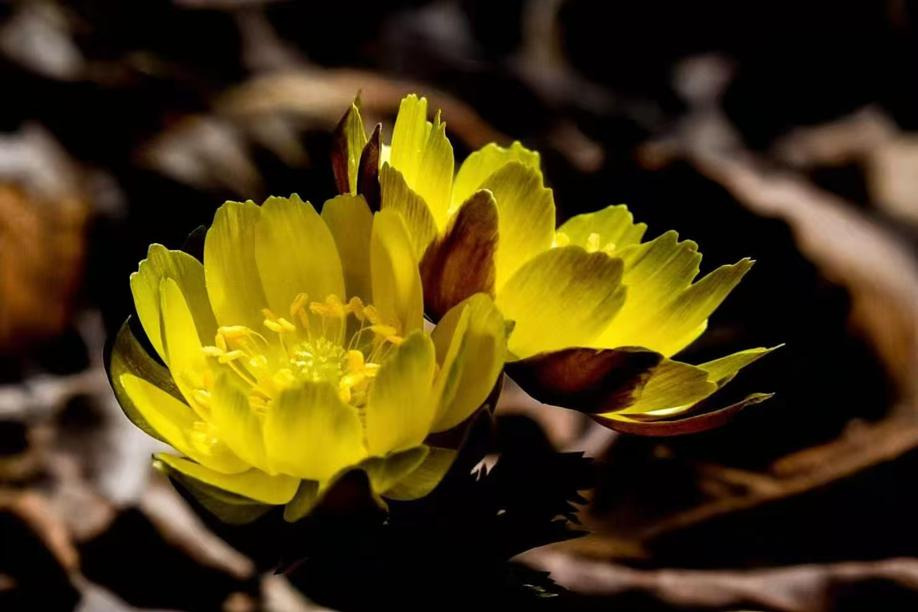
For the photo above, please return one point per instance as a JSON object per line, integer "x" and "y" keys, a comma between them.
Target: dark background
{"x": 784, "y": 131}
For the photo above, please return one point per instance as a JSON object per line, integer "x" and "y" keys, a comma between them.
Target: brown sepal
{"x": 585, "y": 379}
{"x": 676, "y": 425}
{"x": 368, "y": 171}
{"x": 461, "y": 262}
{"x": 339, "y": 155}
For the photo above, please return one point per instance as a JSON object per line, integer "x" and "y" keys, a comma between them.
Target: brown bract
{"x": 585, "y": 379}
{"x": 697, "y": 419}
{"x": 368, "y": 171}
{"x": 339, "y": 154}
{"x": 461, "y": 262}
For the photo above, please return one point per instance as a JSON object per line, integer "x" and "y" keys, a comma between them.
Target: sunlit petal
{"x": 400, "y": 408}
{"x": 564, "y": 297}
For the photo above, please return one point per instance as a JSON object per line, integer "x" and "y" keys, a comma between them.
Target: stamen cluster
{"x": 311, "y": 349}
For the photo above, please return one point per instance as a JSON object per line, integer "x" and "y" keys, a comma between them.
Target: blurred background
{"x": 785, "y": 131}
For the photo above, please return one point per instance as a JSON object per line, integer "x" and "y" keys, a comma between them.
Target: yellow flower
{"x": 598, "y": 313}
{"x": 297, "y": 352}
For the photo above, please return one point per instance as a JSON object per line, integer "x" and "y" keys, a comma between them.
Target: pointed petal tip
{"x": 677, "y": 424}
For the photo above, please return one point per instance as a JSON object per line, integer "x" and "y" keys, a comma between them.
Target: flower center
{"x": 329, "y": 341}
{"x": 319, "y": 360}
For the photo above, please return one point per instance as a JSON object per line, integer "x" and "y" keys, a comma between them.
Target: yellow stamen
{"x": 234, "y": 332}
{"x": 372, "y": 315}
{"x": 230, "y": 356}
{"x": 214, "y": 351}
{"x": 355, "y": 361}
{"x": 332, "y": 307}
{"x": 315, "y": 357}
{"x": 277, "y": 324}
{"x": 383, "y": 330}
{"x": 299, "y": 302}
{"x": 273, "y": 326}
{"x": 258, "y": 362}
{"x": 355, "y": 307}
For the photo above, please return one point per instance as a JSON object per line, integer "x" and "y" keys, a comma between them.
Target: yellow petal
{"x": 307, "y": 496}
{"x": 484, "y": 162}
{"x": 471, "y": 345}
{"x": 295, "y": 253}
{"x": 311, "y": 434}
{"x": 613, "y": 226}
{"x": 562, "y": 298}
{"x": 177, "y": 424}
{"x": 233, "y": 283}
{"x": 253, "y": 484}
{"x": 127, "y": 356}
{"x": 230, "y": 508}
{"x": 425, "y": 478}
{"x": 386, "y": 472}
{"x": 382, "y": 473}
{"x": 396, "y": 281}
{"x": 237, "y": 424}
{"x": 656, "y": 272}
{"x": 671, "y": 385}
{"x": 398, "y": 196}
{"x": 350, "y": 221}
{"x": 691, "y": 309}
{"x": 424, "y": 156}
{"x": 184, "y": 353}
{"x": 665, "y": 312}
{"x": 185, "y": 270}
{"x": 399, "y": 408}
{"x": 675, "y": 387}
{"x": 526, "y": 217}
{"x": 722, "y": 370}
